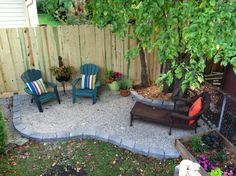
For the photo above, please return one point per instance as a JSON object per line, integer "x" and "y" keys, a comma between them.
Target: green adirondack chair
{"x": 33, "y": 75}
{"x": 86, "y": 69}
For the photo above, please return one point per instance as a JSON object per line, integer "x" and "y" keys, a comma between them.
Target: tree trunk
{"x": 145, "y": 80}
{"x": 177, "y": 91}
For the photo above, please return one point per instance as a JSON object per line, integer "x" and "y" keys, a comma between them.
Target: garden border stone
{"x": 141, "y": 149}
{"x": 156, "y": 103}
{"x": 88, "y": 134}
{"x": 156, "y": 153}
{"x": 115, "y": 140}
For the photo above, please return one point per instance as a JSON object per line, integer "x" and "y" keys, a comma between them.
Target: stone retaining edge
{"x": 156, "y": 103}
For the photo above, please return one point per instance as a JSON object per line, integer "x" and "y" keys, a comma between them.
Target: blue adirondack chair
{"x": 33, "y": 75}
{"x": 86, "y": 69}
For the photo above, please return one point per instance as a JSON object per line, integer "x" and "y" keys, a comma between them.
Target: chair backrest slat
{"x": 89, "y": 69}
{"x": 31, "y": 75}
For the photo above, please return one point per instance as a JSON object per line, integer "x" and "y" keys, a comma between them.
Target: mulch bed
{"x": 228, "y": 128}
{"x": 152, "y": 92}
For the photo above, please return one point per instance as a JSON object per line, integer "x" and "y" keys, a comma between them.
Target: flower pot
{"x": 114, "y": 86}
{"x": 124, "y": 93}
{"x": 109, "y": 81}
{"x": 62, "y": 78}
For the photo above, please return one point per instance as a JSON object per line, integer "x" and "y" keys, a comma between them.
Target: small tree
{"x": 120, "y": 15}
{"x": 3, "y": 134}
{"x": 187, "y": 33}
{"x": 191, "y": 32}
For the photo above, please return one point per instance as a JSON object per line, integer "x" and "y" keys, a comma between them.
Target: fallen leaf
{"x": 54, "y": 163}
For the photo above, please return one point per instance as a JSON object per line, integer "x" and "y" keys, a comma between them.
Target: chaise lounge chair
{"x": 172, "y": 118}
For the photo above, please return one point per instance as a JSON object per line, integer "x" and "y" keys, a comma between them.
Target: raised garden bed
{"x": 211, "y": 149}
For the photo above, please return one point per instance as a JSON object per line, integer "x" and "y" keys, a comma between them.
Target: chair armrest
{"x": 28, "y": 91}
{"x": 75, "y": 81}
{"x": 184, "y": 117}
{"x": 182, "y": 99}
{"x": 97, "y": 84}
{"x": 50, "y": 84}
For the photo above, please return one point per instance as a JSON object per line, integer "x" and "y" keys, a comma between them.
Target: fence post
{"x": 222, "y": 112}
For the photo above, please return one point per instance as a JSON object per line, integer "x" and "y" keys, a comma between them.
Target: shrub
{"x": 3, "y": 134}
{"x": 77, "y": 20}
{"x": 216, "y": 172}
{"x": 213, "y": 141}
{"x": 198, "y": 145}
{"x": 219, "y": 156}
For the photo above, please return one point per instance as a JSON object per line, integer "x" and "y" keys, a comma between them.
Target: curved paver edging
{"x": 168, "y": 104}
{"x": 90, "y": 134}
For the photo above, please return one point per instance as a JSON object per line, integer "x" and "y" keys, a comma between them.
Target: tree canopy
{"x": 186, "y": 32}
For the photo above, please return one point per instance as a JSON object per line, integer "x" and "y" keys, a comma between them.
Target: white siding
{"x": 12, "y": 13}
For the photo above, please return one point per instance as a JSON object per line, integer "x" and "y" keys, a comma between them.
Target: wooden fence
{"x": 24, "y": 48}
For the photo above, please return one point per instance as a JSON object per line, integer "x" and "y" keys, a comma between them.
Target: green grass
{"x": 48, "y": 19}
{"x": 95, "y": 157}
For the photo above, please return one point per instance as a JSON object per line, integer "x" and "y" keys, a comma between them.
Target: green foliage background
{"x": 187, "y": 32}
{"x": 3, "y": 134}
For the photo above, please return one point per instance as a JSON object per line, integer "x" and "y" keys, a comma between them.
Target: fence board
{"x": 39, "y": 48}
{"x": 7, "y": 63}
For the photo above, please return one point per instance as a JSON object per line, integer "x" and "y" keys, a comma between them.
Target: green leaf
{"x": 161, "y": 2}
{"x": 224, "y": 63}
{"x": 234, "y": 70}
{"x": 233, "y": 61}
{"x": 212, "y": 2}
{"x": 178, "y": 73}
{"x": 183, "y": 87}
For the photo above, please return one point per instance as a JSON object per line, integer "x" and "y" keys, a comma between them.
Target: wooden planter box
{"x": 185, "y": 154}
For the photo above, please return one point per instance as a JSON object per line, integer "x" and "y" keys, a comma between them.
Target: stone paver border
{"x": 156, "y": 103}
{"x": 89, "y": 134}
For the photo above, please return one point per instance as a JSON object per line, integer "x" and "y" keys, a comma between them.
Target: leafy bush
{"x": 64, "y": 11}
{"x": 216, "y": 172}
{"x": 212, "y": 140}
{"x": 40, "y": 6}
{"x": 198, "y": 145}
{"x": 77, "y": 20}
{"x": 57, "y": 8}
{"x": 219, "y": 156}
{"x": 3, "y": 134}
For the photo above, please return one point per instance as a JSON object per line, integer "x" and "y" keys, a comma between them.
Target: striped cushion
{"x": 37, "y": 87}
{"x": 88, "y": 81}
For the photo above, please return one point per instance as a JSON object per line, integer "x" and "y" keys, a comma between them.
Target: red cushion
{"x": 195, "y": 108}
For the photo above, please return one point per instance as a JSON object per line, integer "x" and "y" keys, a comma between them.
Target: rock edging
{"x": 156, "y": 103}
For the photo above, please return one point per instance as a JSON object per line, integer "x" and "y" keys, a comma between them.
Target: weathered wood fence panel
{"x": 25, "y": 48}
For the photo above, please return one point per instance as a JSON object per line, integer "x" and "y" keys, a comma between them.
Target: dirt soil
{"x": 60, "y": 170}
{"x": 152, "y": 92}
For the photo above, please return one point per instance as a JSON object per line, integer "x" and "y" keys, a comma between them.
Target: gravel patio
{"x": 107, "y": 120}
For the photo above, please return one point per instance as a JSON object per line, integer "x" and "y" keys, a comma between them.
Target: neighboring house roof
{"x": 16, "y": 13}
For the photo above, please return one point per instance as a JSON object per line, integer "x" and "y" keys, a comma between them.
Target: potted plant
{"x": 62, "y": 73}
{"x": 125, "y": 84}
{"x": 112, "y": 79}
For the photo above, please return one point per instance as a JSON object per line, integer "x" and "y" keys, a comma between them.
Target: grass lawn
{"x": 95, "y": 157}
{"x": 48, "y": 19}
